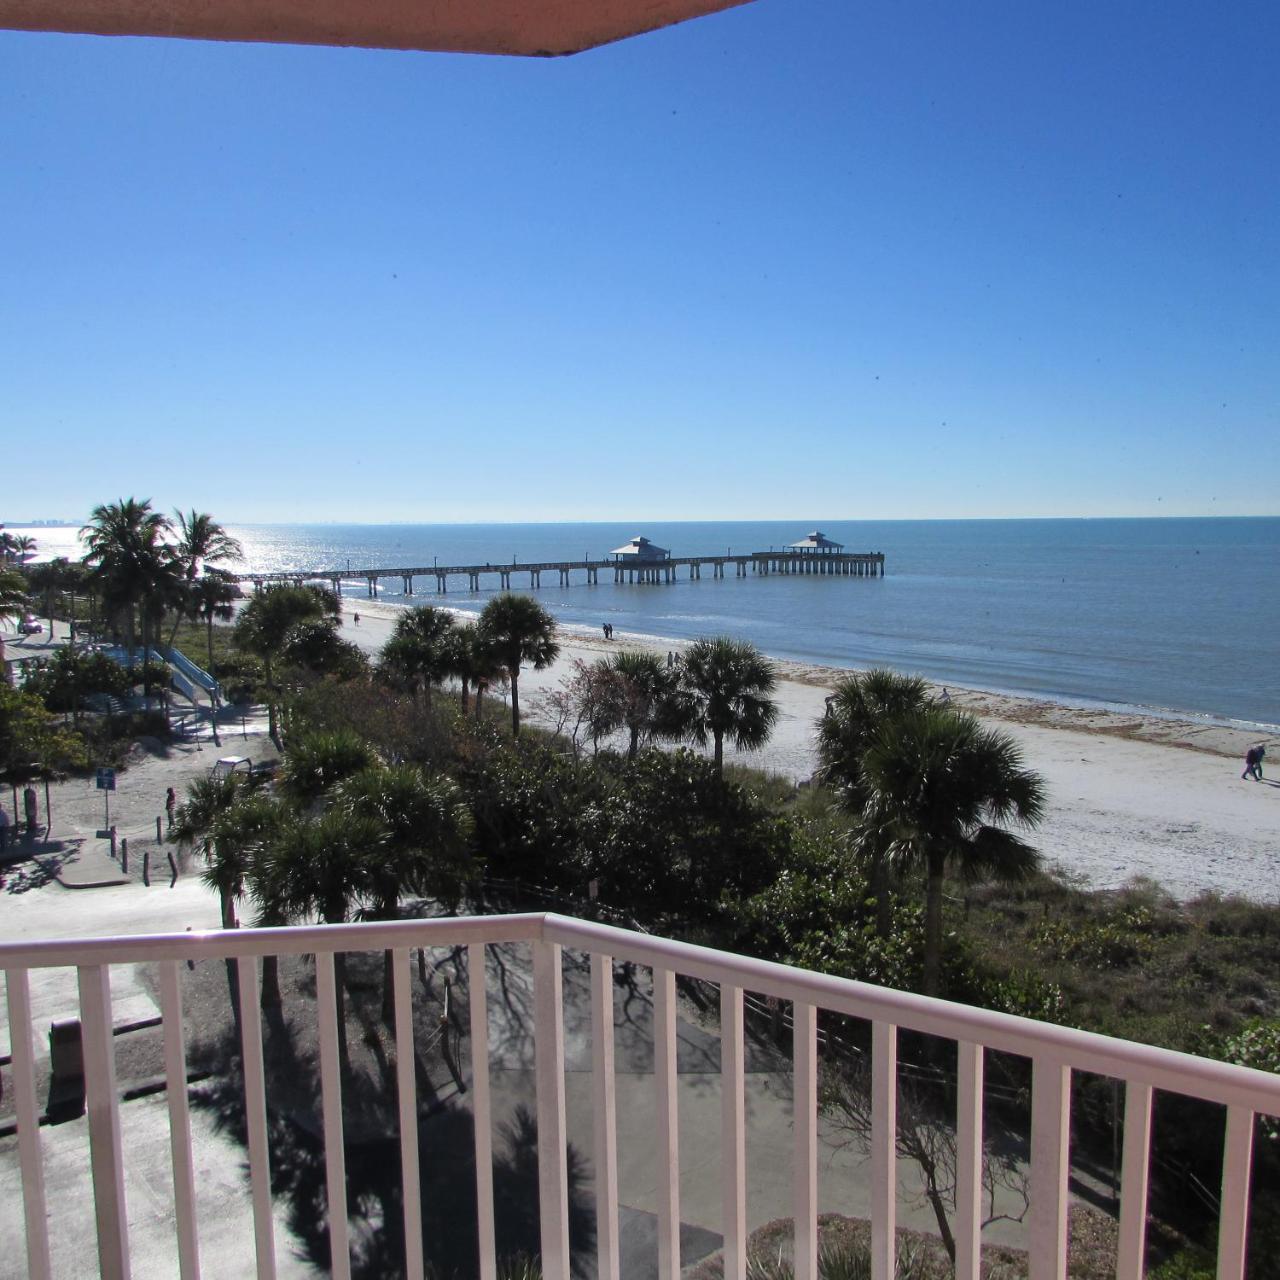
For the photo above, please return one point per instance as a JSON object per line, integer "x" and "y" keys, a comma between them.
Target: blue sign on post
{"x": 106, "y": 784}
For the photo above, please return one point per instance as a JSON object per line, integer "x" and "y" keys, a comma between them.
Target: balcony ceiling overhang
{"x": 538, "y": 28}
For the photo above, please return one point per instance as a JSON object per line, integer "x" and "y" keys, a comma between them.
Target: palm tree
{"x": 860, "y": 706}
{"x": 318, "y": 866}
{"x": 266, "y": 621}
{"x": 13, "y": 604}
{"x": 643, "y": 697}
{"x": 24, "y": 546}
{"x": 419, "y": 653}
{"x": 724, "y": 692}
{"x": 237, "y": 837}
{"x": 7, "y": 546}
{"x": 193, "y": 828}
{"x": 131, "y": 564}
{"x": 203, "y": 541}
{"x": 313, "y": 649}
{"x": 47, "y": 580}
{"x": 427, "y": 849}
{"x": 471, "y": 660}
{"x": 317, "y": 762}
{"x": 211, "y": 597}
{"x": 518, "y": 630}
{"x": 941, "y": 791}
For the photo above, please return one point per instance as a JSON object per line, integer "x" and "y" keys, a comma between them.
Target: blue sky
{"x": 805, "y": 257}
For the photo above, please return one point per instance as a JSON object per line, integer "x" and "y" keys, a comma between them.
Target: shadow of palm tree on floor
{"x": 446, "y": 1145}
{"x": 33, "y": 865}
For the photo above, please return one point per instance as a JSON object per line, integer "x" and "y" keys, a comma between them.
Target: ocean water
{"x": 1174, "y": 615}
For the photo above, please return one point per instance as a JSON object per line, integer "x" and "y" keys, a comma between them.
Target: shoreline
{"x": 1186, "y": 731}
{"x": 1129, "y": 795}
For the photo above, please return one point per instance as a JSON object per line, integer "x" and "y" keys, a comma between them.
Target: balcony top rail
{"x": 1219, "y": 1082}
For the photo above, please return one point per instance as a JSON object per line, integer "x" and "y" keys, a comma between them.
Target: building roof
{"x": 641, "y": 549}
{"x": 816, "y": 541}
{"x": 539, "y": 28}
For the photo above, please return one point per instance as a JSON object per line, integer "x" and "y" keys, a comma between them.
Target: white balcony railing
{"x": 1055, "y": 1052}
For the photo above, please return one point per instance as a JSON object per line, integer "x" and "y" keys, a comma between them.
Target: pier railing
{"x": 863, "y": 564}
{"x": 1054, "y": 1052}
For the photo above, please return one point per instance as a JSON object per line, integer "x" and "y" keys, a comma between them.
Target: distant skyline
{"x": 883, "y": 261}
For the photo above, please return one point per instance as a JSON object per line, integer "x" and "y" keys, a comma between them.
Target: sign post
{"x": 107, "y": 784}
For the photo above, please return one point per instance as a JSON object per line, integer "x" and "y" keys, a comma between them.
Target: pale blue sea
{"x": 1172, "y": 616}
{"x": 1176, "y": 615}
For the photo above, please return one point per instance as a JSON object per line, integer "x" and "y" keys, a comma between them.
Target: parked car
{"x": 30, "y": 626}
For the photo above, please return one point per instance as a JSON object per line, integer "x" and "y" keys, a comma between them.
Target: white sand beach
{"x": 1129, "y": 795}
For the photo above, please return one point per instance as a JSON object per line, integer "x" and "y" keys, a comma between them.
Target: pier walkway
{"x": 857, "y": 565}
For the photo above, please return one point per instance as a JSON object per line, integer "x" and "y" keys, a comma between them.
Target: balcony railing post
{"x": 1131, "y": 1249}
{"x": 666, "y": 1080}
{"x": 604, "y": 1123}
{"x": 407, "y": 1101}
{"x": 968, "y": 1231}
{"x": 30, "y": 1155}
{"x": 1050, "y": 1149}
{"x": 175, "y": 1066}
{"x": 1237, "y": 1160}
{"x": 733, "y": 1160}
{"x": 104, "y": 1123}
{"x": 482, "y": 1117}
{"x": 335, "y": 1165}
{"x": 805, "y": 1068}
{"x": 553, "y": 1173}
{"x": 255, "y": 1116}
{"x": 884, "y": 1150}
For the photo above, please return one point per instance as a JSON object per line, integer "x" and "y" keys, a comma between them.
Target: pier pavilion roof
{"x": 538, "y": 28}
{"x": 640, "y": 549}
{"x": 816, "y": 541}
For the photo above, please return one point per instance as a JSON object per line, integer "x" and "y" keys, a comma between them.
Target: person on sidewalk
{"x": 170, "y": 804}
{"x": 4, "y": 829}
{"x": 31, "y": 807}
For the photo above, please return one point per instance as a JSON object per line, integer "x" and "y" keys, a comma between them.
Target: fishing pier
{"x": 639, "y": 561}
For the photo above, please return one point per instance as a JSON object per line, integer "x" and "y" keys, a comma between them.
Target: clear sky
{"x": 806, "y": 257}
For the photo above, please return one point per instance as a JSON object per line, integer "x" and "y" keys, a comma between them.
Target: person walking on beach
{"x": 170, "y": 804}
{"x": 356, "y": 616}
{"x": 1253, "y": 763}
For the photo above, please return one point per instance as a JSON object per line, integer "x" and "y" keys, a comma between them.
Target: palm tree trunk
{"x": 719, "y": 756}
{"x": 272, "y": 731}
{"x": 635, "y": 742}
{"x": 878, "y": 878}
{"x": 340, "y": 991}
{"x": 466, "y": 691}
{"x": 71, "y": 633}
{"x": 270, "y": 982}
{"x": 210, "y": 640}
{"x": 233, "y": 966}
{"x": 933, "y": 923}
{"x": 515, "y": 702}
